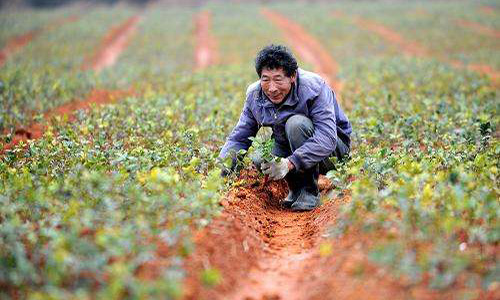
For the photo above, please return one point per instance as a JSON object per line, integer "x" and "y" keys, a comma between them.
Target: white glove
{"x": 276, "y": 169}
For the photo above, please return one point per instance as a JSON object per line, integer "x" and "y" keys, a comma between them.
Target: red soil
{"x": 112, "y": 45}
{"x": 481, "y": 29}
{"x": 261, "y": 250}
{"x": 36, "y": 130}
{"x": 14, "y": 44}
{"x": 487, "y": 10}
{"x": 206, "y": 45}
{"x": 408, "y": 47}
{"x": 483, "y": 69}
{"x": 415, "y": 49}
{"x": 308, "y": 47}
{"x": 265, "y": 252}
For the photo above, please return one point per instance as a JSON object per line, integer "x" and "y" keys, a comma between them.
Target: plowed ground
{"x": 112, "y": 45}
{"x": 415, "y": 49}
{"x": 206, "y": 45}
{"x": 266, "y": 252}
{"x": 36, "y": 130}
{"x": 15, "y": 43}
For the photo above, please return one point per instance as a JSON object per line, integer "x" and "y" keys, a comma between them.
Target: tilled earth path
{"x": 14, "y": 44}
{"x": 288, "y": 252}
{"x": 265, "y": 252}
{"x": 307, "y": 47}
{"x": 206, "y": 44}
{"x": 112, "y": 45}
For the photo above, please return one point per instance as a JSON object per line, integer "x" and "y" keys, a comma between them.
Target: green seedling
{"x": 264, "y": 148}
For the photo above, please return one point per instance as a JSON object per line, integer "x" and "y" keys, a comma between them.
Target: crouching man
{"x": 308, "y": 125}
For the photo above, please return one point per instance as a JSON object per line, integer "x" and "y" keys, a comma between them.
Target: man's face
{"x": 275, "y": 84}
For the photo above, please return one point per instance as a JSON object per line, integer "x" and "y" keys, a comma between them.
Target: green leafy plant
{"x": 79, "y": 207}
{"x": 263, "y": 148}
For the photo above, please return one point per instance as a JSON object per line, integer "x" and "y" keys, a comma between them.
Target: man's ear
{"x": 294, "y": 77}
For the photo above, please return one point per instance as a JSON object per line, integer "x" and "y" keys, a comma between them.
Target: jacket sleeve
{"x": 324, "y": 140}
{"x": 239, "y": 138}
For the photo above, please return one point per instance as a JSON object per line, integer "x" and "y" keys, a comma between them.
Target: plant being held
{"x": 263, "y": 148}
{"x": 275, "y": 167}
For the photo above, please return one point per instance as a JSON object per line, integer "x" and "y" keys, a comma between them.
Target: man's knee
{"x": 298, "y": 129}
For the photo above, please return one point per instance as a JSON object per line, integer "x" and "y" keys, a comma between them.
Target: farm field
{"x": 112, "y": 119}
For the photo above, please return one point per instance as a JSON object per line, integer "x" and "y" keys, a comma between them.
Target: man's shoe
{"x": 290, "y": 199}
{"x": 305, "y": 201}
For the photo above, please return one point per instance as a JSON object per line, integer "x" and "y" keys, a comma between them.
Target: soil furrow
{"x": 265, "y": 252}
{"x": 479, "y": 28}
{"x": 407, "y": 47}
{"x": 308, "y": 48}
{"x": 15, "y": 43}
{"x": 112, "y": 45}
{"x": 291, "y": 246}
{"x": 36, "y": 130}
{"x": 206, "y": 45}
{"x": 415, "y": 49}
{"x": 487, "y": 10}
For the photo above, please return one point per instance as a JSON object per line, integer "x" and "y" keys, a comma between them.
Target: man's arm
{"x": 324, "y": 140}
{"x": 239, "y": 138}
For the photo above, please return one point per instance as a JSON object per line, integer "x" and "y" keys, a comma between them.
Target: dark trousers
{"x": 298, "y": 130}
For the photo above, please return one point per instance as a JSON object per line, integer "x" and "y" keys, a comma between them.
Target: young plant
{"x": 263, "y": 148}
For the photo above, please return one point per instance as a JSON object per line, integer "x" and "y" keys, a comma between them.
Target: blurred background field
{"x": 103, "y": 206}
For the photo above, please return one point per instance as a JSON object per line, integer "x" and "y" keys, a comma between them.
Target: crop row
{"x": 48, "y": 71}
{"x": 425, "y": 164}
{"x": 433, "y": 27}
{"x": 55, "y": 76}
{"x": 98, "y": 205}
{"x": 89, "y": 207}
{"x": 251, "y": 34}
{"x": 11, "y": 25}
{"x": 162, "y": 45}
{"x": 425, "y": 151}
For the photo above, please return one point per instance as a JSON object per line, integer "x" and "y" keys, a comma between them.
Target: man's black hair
{"x": 275, "y": 57}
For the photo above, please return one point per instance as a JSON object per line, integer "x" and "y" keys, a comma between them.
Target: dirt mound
{"x": 234, "y": 242}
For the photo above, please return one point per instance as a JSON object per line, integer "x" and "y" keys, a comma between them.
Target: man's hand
{"x": 277, "y": 169}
